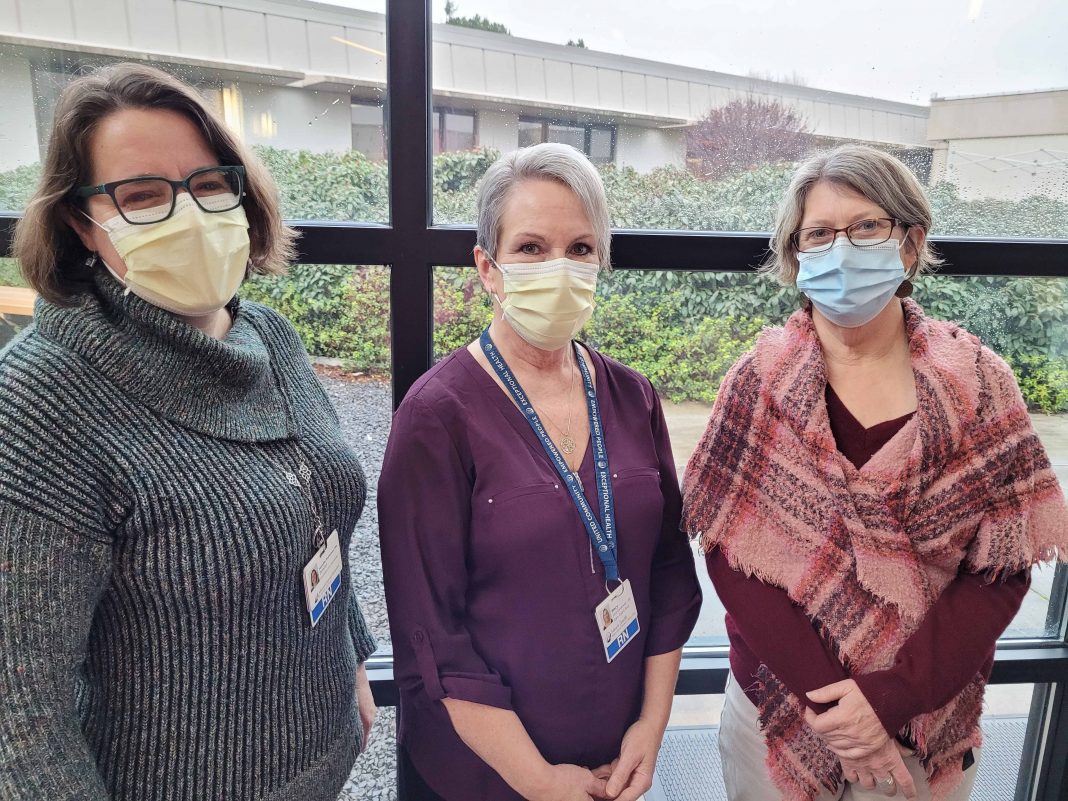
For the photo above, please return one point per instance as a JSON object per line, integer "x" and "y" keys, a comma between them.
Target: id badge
{"x": 617, "y": 620}
{"x": 322, "y": 578}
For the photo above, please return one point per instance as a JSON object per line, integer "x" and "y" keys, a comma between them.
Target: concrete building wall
{"x": 18, "y": 126}
{"x": 295, "y": 119}
{"x": 646, "y": 149}
{"x": 498, "y": 129}
{"x": 1005, "y": 146}
{"x": 1008, "y": 168}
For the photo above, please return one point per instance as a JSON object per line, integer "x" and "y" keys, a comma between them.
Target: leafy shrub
{"x": 682, "y": 360}
{"x": 17, "y": 185}
{"x": 461, "y": 310}
{"x": 1043, "y": 382}
{"x": 9, "y": 273}
{"x": 343, "y": 312}
{"x": 339, "y": 311}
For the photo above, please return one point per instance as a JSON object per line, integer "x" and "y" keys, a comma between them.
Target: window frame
{"x": 587, "y": 129}
{"x": 412, "y": 246}
{"x": 441, "y": 113}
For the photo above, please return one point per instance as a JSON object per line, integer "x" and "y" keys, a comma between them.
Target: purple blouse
{"x": 491, "y": 581}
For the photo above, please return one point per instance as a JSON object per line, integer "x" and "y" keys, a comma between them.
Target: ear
{"x": 912, "y": 244}
{"x": 81, "y": 226}
{"x": 489, "y": 275}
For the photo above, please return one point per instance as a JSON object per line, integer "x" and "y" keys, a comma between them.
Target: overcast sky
{"x": 897, "y": 49}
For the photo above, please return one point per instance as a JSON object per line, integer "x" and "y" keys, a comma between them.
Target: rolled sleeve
{"x": 424, "y": 508}
{"x": 675, "y": 593}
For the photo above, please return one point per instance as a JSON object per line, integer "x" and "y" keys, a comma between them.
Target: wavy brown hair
{"x": 51, "y": 256}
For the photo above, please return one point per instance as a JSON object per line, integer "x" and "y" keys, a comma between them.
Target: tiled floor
{"x": 689, "y": 767}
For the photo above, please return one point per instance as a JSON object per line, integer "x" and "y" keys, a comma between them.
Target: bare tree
{"x": 744, "y": 134}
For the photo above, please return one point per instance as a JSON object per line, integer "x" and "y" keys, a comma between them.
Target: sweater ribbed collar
{"x": 226, "y": 389}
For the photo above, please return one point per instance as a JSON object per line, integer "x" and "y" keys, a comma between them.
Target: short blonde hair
{"x": 877, "y": 176}
{"x": 51, "y": 256}
{"x": 550, "y": 161}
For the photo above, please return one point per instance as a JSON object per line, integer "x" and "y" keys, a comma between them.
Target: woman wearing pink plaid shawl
{"x": 871, "y": 497}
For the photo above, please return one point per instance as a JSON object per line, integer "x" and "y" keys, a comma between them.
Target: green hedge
{"x": 680, "y": 329}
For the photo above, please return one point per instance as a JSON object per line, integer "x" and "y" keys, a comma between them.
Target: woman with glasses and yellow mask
{"x": 172, "y": 477}
{"x": 871, "y": 497}
{"x": 539, "y": 587}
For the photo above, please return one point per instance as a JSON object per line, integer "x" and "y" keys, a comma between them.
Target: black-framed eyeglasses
{"x": 151, "y": 198}
{"x": 863, "y": 233}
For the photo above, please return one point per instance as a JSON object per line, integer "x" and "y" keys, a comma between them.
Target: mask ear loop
{"x": 905, "y": 288}
{"x": 491, "y": 293}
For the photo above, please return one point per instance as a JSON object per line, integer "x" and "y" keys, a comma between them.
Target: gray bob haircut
{"x": 547, "y": 161}
{"x": 877, "y": 176}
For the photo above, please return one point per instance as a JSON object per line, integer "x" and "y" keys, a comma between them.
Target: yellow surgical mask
{"x": 548, "y": 302}
{"x": 191, "y": 264}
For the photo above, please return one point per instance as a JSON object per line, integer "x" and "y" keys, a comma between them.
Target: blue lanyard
{"x": 602, "y": 531}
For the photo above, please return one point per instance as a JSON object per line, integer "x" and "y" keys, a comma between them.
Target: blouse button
{"x": 491, "y": 500}
{"x": 556, "y": 486}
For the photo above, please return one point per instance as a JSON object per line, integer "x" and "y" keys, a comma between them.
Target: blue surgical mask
{"x": 850, "y": 285}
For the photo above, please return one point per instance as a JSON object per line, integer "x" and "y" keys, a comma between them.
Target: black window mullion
{"x": 408, "y": 65}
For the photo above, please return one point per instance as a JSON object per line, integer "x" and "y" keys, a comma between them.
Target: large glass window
{"x": 705, "y": 138}
{"x": 284, "y": 78}
{"x": 684, "y": 330}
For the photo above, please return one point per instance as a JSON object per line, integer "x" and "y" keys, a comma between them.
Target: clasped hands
{"x": 853, "y": 732}
{"x": 626, "y": 778}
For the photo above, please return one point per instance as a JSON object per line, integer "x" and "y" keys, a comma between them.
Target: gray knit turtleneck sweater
{"x": 154, "y": 639}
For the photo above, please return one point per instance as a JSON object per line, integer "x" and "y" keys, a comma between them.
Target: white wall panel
{"x": 634, "y": 92}
{"x": 153, "y": 25}
{"x": 441, "y": 70}
{"x": 9, "y": 16}
{"x": 585, "y": 82}
{"x": 51, "y": 18}
{"x": 326, "y": 55}
{"x": 200, "y": 30}
{"x": 558, "y": 86}
{"x": 610, "y": 90}
{"x": 530, "y": 77}
{"x": 245, "y": 34}
{"x": 102, "y": 22}
{"x": 287, "y": 43}
{"x": 500, "y": 74}
{"x": 468, "y": 68}
{"x": 367, "y": 59}
{"x": 678, "y": 98}
{"x": 656, "y": 95}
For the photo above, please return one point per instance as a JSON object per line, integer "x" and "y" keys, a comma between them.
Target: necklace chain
{"x": 294, "y": 479}
{"x": 567, "y": 444}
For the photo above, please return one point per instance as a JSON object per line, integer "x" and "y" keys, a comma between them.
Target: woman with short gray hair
{"x": 871, "y": 497}
{"x": 538, "y": 584}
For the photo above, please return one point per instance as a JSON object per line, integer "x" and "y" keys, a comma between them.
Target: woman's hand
{"x": 873, "y": 771}
{"x": 855, "y": 734}
{"x": 366, "y": 702}
{"x": 569, "y": 783}
{"x": 851, "y": 729}
{"x": 631, "y": 773}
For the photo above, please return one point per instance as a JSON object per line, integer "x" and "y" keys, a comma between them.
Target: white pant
{"x": 743, "y": 753}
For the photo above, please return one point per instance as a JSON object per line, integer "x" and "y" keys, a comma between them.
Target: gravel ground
{"x": 365, "y": 409}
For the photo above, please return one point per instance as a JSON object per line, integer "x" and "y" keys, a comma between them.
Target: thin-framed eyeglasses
{"x": 862, "y": 233}
{"x": 151, "y": 198}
